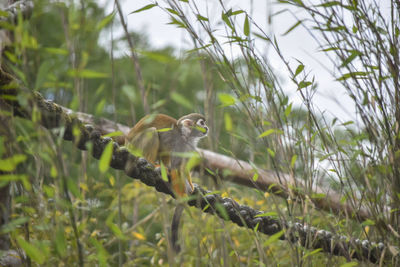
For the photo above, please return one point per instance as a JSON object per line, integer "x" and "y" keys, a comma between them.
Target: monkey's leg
{"x": 178, "y": 183}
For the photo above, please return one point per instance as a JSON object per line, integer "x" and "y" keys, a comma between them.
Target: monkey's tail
{"x": 175, "y": 227}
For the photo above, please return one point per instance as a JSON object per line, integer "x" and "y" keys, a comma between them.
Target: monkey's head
{"x": 193, "y": 127}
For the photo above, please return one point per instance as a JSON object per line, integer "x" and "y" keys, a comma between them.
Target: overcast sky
{"x": 298, "y": 44}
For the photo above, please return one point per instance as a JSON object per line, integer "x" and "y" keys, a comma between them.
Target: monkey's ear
{"x": 186, "y": 126}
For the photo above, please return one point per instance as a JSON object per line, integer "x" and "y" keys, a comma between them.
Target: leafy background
{"x": 61, "y": 195}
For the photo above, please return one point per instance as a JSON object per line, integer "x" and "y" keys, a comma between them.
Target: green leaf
{"x": 42, "y": 74}
{"x": 255, "y": 177}
{"x": 32, "y": 251}
{"x": 9, "y": 164}
{"x": 100, "y": 106}
{"x": 116, "y": 231}
{"x": 347, "y": 123}
{"x": 350, "y": 58}
{"x": 104, "y": 22}
{"x": 173, "y": 11}
{"x": 303, "y": 84}
{"x": 3, "y": 13}
{"x": 129, "y": 91}
{"x": 193, "y": 161}
{"x": 274, "y": 238}
{"x": 266, "y": 214}
{"x": 221, "y": 211}
{"x": 225, "y": 18}
{"x": 237, "y": 12}
{"x": 143, "y": 8}
{"x": 158, "y": 56}
{"x": 13, "y": 225}
{"x": 176, "y": 22}
{"x": 271, "y": 152}
{"x": 356, "y": 74}
{"x": 246, "y": 26}
{"x": 102, "y": 254}
{"x": 113, "y": 227}
{"x": 269, "y": 132}
{"x": 293, "y": 27}
{"x": 368, "y": 222}
{"x": 288, "y": 110}
{"x": 164, "y": 174}
{"x": 226, "y": 99}
{"x": 228, "y": 122}
{"x": 60, "y": 242}
{"x": 330, "y": 4}
{"x": 308, "y": 254}
{"x": 293, "y": 160}
{"x": 85, "y": 73}
{"x": 181, "y": 100}
{"x": 200, "y": 17}
{"x": 56, "y": 51}
{"x": 349, "y": 264}
{"x": 6, "y": 178}
{"x": 163, "y": 130}
{"x": 105, "y": 159}
{"x": 73, "y": 188}
{"x": 299, "y": 69}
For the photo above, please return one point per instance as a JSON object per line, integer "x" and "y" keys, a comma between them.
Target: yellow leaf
{"x": 260, "y": 202}
{"x": 138, "y": 236}
{"x": 95, "y": 233}
{"x": 53, "y": 171}
{"x": 366, "y": 229}
{"x": 84, "y": 187}
{"x": 111, "y": 180}
{"x": 237, "y": 243}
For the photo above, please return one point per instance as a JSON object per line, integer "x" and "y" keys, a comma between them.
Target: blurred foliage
{"x": 63, "y": 199}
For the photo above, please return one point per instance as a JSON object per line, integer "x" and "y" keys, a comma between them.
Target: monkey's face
{"x": 193, "y": 126}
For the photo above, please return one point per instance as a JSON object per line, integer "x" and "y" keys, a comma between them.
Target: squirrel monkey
{"x": 161, "y": 138}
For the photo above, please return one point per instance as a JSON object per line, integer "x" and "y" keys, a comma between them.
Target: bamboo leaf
{"x": 104, "y": 22}
{"x": 144, "y": 8}
{"x": 246, "y": 26}
{"x": 85, "y": 73}
{"x": 9, "y": 164}
{"x": 164, "y": 174}
{"x": 200, "y": 17}
{"x": 293, "y": 27}
{"x": 181, "y": 100}
{"x": 274, "y": 238}
{"x": 269, "y": 132}
{"x": 225, "y": 18}
{"x": 299, "y": 69}
{"x": 350, "y": 58}
{"x": 105, "y": 159}
{"x": 32, "y": 251}
{"x": 227, "y": 99}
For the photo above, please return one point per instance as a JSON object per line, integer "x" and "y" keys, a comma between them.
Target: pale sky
{"x": 298, "y": 44}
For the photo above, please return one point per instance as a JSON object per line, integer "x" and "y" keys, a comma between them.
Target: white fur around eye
{"x": 201, "y": 122}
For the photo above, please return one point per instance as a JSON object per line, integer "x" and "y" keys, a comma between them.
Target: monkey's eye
{"x": 201, "y": 122}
